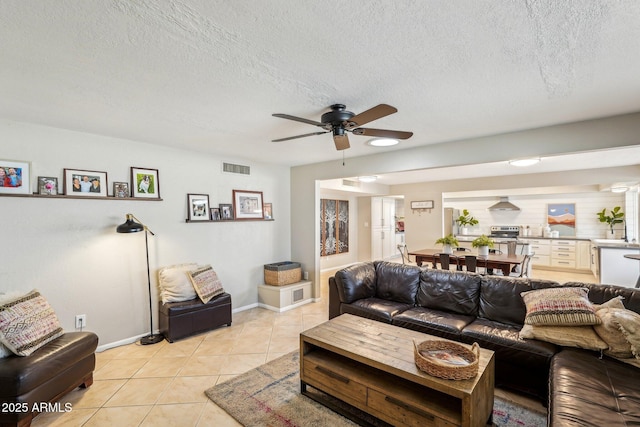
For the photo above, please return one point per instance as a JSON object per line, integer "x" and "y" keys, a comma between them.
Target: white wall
{"x": 69, "y": 250}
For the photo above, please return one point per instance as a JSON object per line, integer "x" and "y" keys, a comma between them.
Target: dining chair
{"x": 524, "y": 268}
{"x": 445, "y": 260}
{"x": 471, "y": 264}
{"x": 404, "y": 253}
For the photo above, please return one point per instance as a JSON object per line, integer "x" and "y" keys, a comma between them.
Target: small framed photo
{"x": 145, "y": 183}
{"x": 79, "y": 182}
{"x": 121, "y": 189}
{"x": 198, "y": 207}
{"x": 47, "y": 185}
{"x": 248, "y": 204}
{"x": 268, "y": 211}
{"x": 15, "y": 177}
{"x": 226, "y": 211}
{"x": 215, "y": 214}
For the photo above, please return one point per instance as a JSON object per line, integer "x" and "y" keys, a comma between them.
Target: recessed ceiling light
{"x": 368, "y": 178}
{"x": 382, "y": 142}
{"x": 524, "y": 162}
{"x": 619, "y": 189}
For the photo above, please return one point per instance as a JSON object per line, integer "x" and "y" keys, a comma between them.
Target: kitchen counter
{"x": 613, "y": 243}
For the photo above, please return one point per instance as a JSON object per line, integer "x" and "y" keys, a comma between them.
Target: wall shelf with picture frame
{"x": 246, "y": 206}
{"x": 65, "y": 196}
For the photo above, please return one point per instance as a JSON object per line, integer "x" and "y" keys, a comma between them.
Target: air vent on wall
{"x": 231, "y": 168}
{"x": 297, "y": 295}
{"x": 349, "y": 183}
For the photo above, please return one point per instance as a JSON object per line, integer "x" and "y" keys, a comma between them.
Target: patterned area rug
{"x": 270, "y": 396}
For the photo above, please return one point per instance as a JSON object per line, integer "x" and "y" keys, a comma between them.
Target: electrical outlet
{"x": 81, "y": 321}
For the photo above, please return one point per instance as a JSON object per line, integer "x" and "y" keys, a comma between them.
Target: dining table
{"x": 493, "y": 261}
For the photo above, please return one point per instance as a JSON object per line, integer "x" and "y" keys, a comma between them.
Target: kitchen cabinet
{"x": 383, "y": 228}
{"x": 563, "y": 253}
{"x": 583, "y": 255}
{"x": 541, "y": 248}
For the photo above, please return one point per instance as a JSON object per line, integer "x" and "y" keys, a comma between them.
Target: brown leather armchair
{"x": 29, "y": 383}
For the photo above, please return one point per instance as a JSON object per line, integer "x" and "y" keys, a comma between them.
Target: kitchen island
{"x": 612, "y": 268}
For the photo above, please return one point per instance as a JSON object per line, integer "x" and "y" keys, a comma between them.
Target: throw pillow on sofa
{"x": 620, "y": 329}
{"x": 206, "y": 283}
{"x": 27, "y": 323}
{"x": 567, "y": 336}
{"x": 174, "y": 283}
{"x": 559, "y": 307}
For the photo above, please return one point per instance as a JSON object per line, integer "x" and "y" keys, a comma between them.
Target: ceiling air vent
{"x": 231, "y": 168}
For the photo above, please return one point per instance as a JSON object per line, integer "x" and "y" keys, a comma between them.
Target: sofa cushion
{"x": 588, "y": 390}
{"x": 378, "y": 309}
{"x": 611, "y": 330}
{"x": 356, "y": 282}
{"x": 27, "y": 323}
{"x": 397, "y": 282}
{"x": 559, "y": 306}
{"x": 599, "y": 294}
{"x": 456, "y": 292}
{"x": 435, "y": 322}
{"x": 566, "y": 336}
{"x": 500, "y": 299}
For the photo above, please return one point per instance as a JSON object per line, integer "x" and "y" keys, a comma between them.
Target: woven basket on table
{"x": 442, "y": 369}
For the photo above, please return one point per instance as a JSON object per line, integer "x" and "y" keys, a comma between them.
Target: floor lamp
{"x": 131, "y": 226}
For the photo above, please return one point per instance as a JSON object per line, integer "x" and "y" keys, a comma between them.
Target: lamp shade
{"x": 130, "y": 226}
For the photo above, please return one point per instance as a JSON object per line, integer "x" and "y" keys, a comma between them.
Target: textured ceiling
{"x": 207, "y": 75}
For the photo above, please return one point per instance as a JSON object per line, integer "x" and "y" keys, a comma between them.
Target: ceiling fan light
{"x": 382, "y": 142}
{"x": 524, "y": 162}
{"x": 367, "y": 178}
{"x": 619, "y": 189}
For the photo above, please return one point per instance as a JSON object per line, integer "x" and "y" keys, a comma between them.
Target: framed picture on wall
{"x": 145, "y": 183}
{"x": 268, "y": 211}
{"x": 15, "y": 177}
{"x": 47, "y": 185}
{"x": 561, "y": 217}
{"x": 86, "y": 183}
{"x": 198, "y": 207}
{"x": 248, "y": 204}
{"x": 226, "y": 211}
{"x": 215, "y": 214}
{"x": 121, "y": 189}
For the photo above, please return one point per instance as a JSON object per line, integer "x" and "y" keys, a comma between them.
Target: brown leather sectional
{"x": 581, "y": 387}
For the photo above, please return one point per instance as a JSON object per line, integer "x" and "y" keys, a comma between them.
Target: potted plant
{"x": 483, "y": 243}
{"x": 465, "y": 220}
{"x": 447, "y": 243}
{"x": 616, "y": 217}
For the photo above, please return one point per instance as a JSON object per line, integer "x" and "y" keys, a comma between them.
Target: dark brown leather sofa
{"x": 489, "y": 310}
{"x": 31, "y": 382}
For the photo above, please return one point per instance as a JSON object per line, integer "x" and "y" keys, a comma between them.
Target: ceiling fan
{"x": 339, "y": 121}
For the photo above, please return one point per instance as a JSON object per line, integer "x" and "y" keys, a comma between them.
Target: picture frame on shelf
{"x": 268, "y": 210}
{"x": 85, "y": 183}
{"x": 15, "y": 177}
{"x": 121, "y": 190}
{"x": 226, "y": 211}
{"x": 198, "y": 207}
{"x": 248, "y": 204}
{"x": 145, "y": 183}
{"x": 215, "y": 214}
{"x": 48, "y": 185}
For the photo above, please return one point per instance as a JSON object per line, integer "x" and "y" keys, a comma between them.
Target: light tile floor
{"x": 163, "y": 384}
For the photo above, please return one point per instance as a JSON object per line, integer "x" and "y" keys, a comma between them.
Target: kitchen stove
{"x": 506, "y": 232}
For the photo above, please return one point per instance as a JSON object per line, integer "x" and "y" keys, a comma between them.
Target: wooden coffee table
{"x": 370, "y": 365}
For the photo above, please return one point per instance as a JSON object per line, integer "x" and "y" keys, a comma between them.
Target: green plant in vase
{"x": 448, "y": 242}
{"x": 466, "y": 220}
{"x": 615, "y": 217}
{"x": 483, "y": 243}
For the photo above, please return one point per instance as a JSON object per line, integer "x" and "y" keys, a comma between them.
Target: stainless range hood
{"x": 504, "y": 205}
